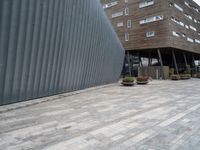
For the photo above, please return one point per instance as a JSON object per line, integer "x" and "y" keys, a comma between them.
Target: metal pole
{"x": 175, "y": 63}
{"x": 161, "y": 63}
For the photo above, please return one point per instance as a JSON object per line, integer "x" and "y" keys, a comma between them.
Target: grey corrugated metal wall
{"x": 55, "y": 46}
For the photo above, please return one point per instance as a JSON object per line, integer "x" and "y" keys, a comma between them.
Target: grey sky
{"x": 197, "y": 1}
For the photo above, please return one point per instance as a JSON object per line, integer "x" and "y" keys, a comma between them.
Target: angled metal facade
{"x": 49, "y": 47}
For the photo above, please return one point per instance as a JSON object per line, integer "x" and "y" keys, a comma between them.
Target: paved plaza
{"x": 164, "y": 115}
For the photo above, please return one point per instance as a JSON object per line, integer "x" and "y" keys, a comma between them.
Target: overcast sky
{"x": 197, "y": 1}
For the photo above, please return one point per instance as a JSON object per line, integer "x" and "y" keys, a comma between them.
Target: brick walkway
{"x": 164, "y": 115}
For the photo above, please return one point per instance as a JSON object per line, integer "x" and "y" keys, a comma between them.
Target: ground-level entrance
{"x": 160, "y": 63}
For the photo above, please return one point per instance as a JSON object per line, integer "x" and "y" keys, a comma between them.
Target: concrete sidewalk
{"x": 164, "y": 115}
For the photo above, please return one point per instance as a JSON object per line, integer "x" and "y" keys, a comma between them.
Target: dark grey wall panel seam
{"x": 51, "y": 47}
{"x": 28, "y": 50}
{"x": 20, "y": 49}
{"x": 60, "y": 69}
{"x": 44, "y": 21}
{"x": 45, "y": 48}
{"x": 5, "y": 38}
{"x": 80, "y": 46}
{"x": 56, "y": 46}
{"x": 67, "y": 37}
{"x": 59, "y": 44}
{"x": 71, "y": 55}
{"x": 44, "y": 75}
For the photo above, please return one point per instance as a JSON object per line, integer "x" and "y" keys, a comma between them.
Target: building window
{"x": 177, "y": 21}
{"x": 186, "y": 26}
{"x": 129, "y": 24}
{"x": 117, "y": 14}
{"x": 151, "y": 19}
{"x": 183, "y": 35}
{"x": 176, "y": 34}
{"x": 188, "y": 16}
{"x": 120, "y": 24}
{"x": 192, "y": 7}
{"x": 126, "y": 11}
{"x": 178, "y": 7}
{"x": 126, "y": 36}
{"x": 150, "y": 34}
{"x": 187, "y": 4}
{"x": 190, "y": 40}
{"x": 110, "y": 4}
{"x": 182, "y": 24}
{"x": 193, "y": 28}
{"x": 196, "y": 9}
{"x": 197, "y": 41}
{"x": 146, "y": 3}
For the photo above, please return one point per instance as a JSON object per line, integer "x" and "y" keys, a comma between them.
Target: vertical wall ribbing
{"x": 54, "y": 46}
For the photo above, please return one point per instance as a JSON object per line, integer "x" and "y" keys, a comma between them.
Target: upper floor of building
{"x": 139, "y": 22}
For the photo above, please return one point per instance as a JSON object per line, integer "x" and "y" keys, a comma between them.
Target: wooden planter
{"x": 127, "y": 83}
{"x": 142, "y": 82}
{"x": 185, "y": 77}
{"x": 175, "y": 77}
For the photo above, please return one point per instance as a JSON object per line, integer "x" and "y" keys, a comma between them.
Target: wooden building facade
{"x": 168, "y": 30}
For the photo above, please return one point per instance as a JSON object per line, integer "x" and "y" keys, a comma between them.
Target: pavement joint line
{"x": 47, "y": 99}
{"x": 138, "y": 133}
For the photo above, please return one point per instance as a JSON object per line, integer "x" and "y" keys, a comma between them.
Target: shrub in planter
{"x": 185, "y": 76}
{"x": 128, "y": 81}
{"x": 143, "y": 80}
{"x": 175, "y": 77}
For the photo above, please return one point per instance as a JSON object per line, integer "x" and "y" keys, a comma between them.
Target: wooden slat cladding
{"x": 181, "y": 42}
{"x": 163, "y": 29}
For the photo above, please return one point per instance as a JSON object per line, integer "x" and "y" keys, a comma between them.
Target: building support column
{"x": 194, "y": 63}
{"x": 149, "y": 60}
{"x": 129, "y": 63}
{"x": 193, "y": 60}
{"x": 175, "y": 63}
{"x": 185, "y": 59}
{"x": 161, "y": 63}
{"x": 141, "y": 64}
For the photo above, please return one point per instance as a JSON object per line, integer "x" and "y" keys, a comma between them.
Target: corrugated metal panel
{"x": 54, "y": 46}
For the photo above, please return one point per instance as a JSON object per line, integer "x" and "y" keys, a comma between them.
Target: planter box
{"x": 142, "y": 82}
{"x": 127, "y": 83}
{"x": 185, "y": 77}
{"x": 175, "y": 77}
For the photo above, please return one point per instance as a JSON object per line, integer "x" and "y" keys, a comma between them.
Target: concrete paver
{"x": 162, "y": 115}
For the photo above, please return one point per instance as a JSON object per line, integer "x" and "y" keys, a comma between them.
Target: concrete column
{"x": 185, "y": 59}
{"x": 129, "y": 63}
{"x": 161, "y": 63}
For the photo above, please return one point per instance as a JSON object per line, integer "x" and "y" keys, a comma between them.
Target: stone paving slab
{"x": 164, "y": 115}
